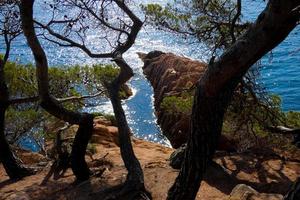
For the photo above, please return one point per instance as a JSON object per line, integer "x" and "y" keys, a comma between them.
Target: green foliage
{"x": 125, "y": 92}
{"x": 292, "y": 119}
{"x": 163, "y": 15}
{"x": 247, "y": 120}
{"x": 20, "y": 80}
{"x": 64, "y": 81}
{"x": 208, "y": 21}
{"x": 21, "y": 121}
{"x": 92, "y": 148}
{"x": 251, "y": 121}
{"x": 177, "y": 104}
{"x": 109, "y": 117}
{"x": 253, "y": 116}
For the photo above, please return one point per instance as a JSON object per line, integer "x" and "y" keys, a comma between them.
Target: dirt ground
{"x": 265, "y": 172}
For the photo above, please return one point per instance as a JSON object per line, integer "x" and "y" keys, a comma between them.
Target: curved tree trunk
{"x": 135, "y": 177}
{"x": 12, "y": 166}
{"x": 50, "y": 104}
{"x": 82, "y": 138}
{"x": 215, "y": 89}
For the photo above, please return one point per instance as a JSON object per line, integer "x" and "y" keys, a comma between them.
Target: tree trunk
{"x": 11, "y": 164}
{"x": 294, "y": 193}
{"x": 82, "y": 138}
{"x": 134, "y": 185}
{"x": 50, "y": 104}
{"x": 135, "y": 173}
{"x": 206, "y": 127}
{"x": 215, "y": 90}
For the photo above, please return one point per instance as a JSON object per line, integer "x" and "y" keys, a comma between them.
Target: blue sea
{"x": 279, "y": 74}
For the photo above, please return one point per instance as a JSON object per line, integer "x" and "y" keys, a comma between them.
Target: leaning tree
{"x": 215, "y": 90}
{"x": 9, "y": 30}
{"x": 50, "y": 103}
{"x": 216, "y": 25}
{"x": 117, "y": 27}
{"x": 20, "y": 83}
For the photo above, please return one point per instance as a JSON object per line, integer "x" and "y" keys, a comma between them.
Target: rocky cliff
{"x": 174, "y": 76}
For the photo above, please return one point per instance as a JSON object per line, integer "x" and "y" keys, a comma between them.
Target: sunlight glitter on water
{"x": 280, "y": 74}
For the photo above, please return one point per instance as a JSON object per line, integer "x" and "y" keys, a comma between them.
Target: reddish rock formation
{"x": 104, "y": 132}
{"x": 170, "y": 75}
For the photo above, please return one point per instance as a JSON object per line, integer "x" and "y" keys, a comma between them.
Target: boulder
{"x": 104, "y": 132}
{"x": 244, "y": 192}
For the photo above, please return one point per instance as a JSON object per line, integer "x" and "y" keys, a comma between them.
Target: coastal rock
{"x": 125, "y": 91}
{"x": 172, "y": 75}
{"x": 105, "y": 132}
{"x": 244, "y": 192}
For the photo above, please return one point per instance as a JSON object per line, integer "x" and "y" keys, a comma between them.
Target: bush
{"x": 178, "y": 104}
{"x": 64, "y": 81}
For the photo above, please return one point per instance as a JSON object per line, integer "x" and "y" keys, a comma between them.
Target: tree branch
{"x": 60, "y": 100}
{"x": 234, "y": 20}
{"x": 78, "y": 98}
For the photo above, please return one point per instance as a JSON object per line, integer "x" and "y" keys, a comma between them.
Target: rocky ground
{"x": 262, "y": 174}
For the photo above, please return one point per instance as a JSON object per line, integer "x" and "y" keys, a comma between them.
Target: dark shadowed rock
{"x": 177, "y": 157}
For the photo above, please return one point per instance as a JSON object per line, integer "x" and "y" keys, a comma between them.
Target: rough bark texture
{"x": 294, "y": 193}
{"x": 11, "y": 164}
{"x": 82, "y": 138}
{"x": 13, "y": 167}
{"x": 135, "y": 178}
{"x": 215, "y": 90}
{"x": 49, "y": 103}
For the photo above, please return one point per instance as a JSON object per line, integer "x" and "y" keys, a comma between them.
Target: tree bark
{"x": 82, "y": 138}
{"x": 135, "y": 178}
{"x": 294, "y": 193}
{"x": 215, "y": 89}
{"x": 11, "y": 164}
{"x": 51, "y": 104}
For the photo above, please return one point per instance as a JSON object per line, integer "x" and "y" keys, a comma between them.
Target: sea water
{"x": 279, "y": 74}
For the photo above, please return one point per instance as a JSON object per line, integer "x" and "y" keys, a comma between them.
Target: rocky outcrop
{"x": 104, "y": 132}
{"x": 244, "y": 192}
{"x": 172, "y": 75}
